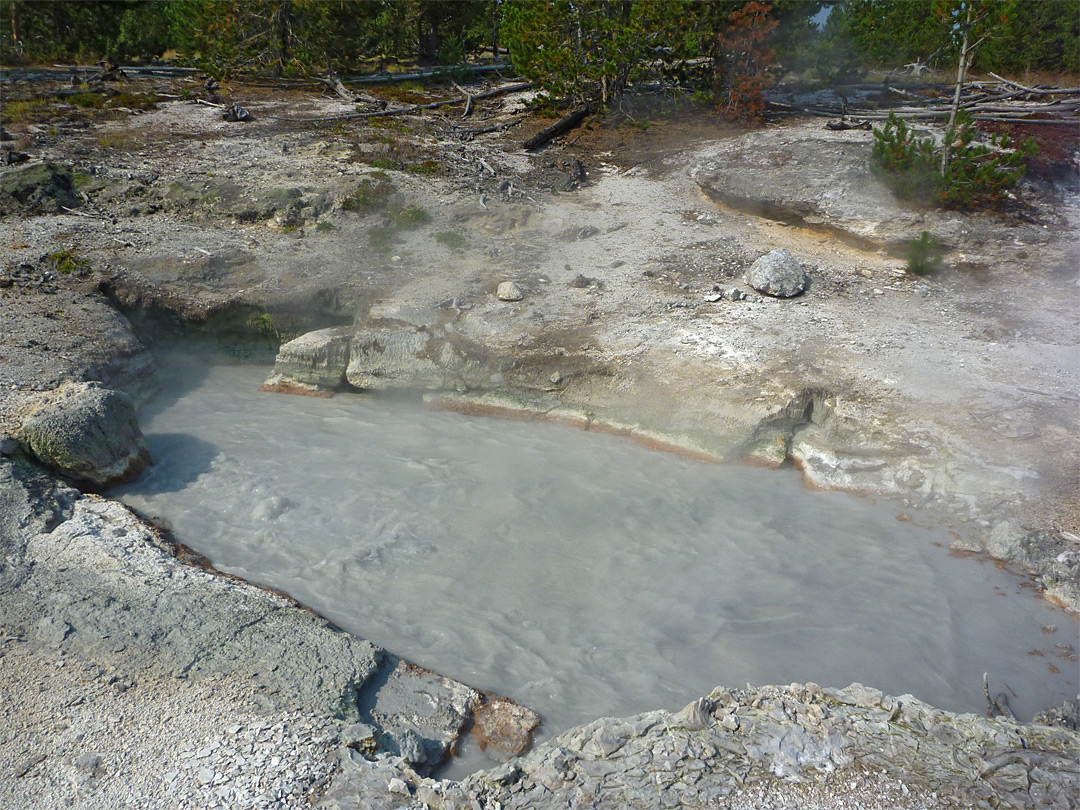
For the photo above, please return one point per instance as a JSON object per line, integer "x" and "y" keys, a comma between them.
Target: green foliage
{"x": 43, "y": 30}
{"x": 1029, "y": 35}
{"x": 590, "y": 49}
{"x": 18, "y": 112}
{"x": 380, "y": 195}
{"x": 263, "y": 323}
{"x": 831, "y": 56}
{"x": 924, "y": 255}
{"x": 959, "y": 173}
{"x": 68, "y": 261}
{"x": 407, "y": 217}
{"x": 91, "y": 100}
{"x": 368, "y": 195}
{"x": 909, "y": 165}
{"x": 1036, "y": 36}
{"x": 424, "y": 167}
{"x": 295, "y": 37}
{"x": 890, "y": 33}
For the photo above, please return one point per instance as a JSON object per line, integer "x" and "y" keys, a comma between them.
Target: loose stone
{"x": 509, "y": 291}
{"x": 777, "y": 273}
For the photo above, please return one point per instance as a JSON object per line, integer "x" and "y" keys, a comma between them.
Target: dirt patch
{"x": 1058, "y": 158}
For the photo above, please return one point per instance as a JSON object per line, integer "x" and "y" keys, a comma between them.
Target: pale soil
{"x": 105, "y": 737}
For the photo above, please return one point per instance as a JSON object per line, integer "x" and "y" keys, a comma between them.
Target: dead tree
{"x": 967, "y": 52}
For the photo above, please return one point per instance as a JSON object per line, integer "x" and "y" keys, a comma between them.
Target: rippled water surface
{"x": 576, "y": 572}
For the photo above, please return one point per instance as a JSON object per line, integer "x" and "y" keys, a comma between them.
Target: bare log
{"x": 498, "y": 91}
{"x": 564, "y": 124}
{"x": 439, "y": 72}
{"x": 1018, "y": 85}
{"x": 840, "y": 126}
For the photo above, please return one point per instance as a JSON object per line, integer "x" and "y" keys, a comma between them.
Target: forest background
{"x": 589, "y": 49}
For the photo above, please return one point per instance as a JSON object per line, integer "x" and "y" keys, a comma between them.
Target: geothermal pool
{"x": 578, "y": 573}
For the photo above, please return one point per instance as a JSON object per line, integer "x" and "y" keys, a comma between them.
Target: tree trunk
{"x": 961, "y": 74}
{"x": 15, "y": 38}
{"x": 283, "y": 35}
{"x": 428, "y": 34}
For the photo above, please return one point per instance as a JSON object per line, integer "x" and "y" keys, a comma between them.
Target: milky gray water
{"x": 575, "y": 572}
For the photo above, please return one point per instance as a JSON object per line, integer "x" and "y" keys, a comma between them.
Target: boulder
{"x": 87, "y": 432}
{"x": 392, "y": 358}
{"x": 503, "y": 727}
{"x": 777, "y": 273}
{"x": 318, "y": 359}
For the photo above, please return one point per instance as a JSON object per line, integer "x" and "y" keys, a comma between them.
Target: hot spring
{"x": 577, "y": 573}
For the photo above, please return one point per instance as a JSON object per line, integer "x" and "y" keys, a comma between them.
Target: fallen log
{"x": 469, "y": 133}
{"x": 1039, "y": 91}
{"x": 564, "y": 124}
{"x": 840, "y": 126}
{"x": 163, "y": 70}
{"x": 498, "y": 91}
{"x": 386, "y": 78}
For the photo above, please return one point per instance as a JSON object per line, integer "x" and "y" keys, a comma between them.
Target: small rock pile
{"x": 28, "y": 276}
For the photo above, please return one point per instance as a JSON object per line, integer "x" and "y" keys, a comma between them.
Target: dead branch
{"x": 84, "y": 213}
{"x": 1001, "y": 100}
{"x": 1039, "y": 91}
{"x": 999, "y": 704}
{"x": 468, "y": 95}
{"x": 564, "y": 124}
{"x": 333, "y": 82}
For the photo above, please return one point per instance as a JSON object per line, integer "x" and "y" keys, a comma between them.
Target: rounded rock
{"x": 509, "y": 291}
{"x": 89, "y": 433}
{"x": 777, "y": 273}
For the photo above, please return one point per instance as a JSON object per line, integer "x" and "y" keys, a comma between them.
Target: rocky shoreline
{"x": 137, "y": 676}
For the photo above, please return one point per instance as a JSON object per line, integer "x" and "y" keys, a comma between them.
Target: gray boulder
{"x": 317, "y": 359}
{"x": 88, "y": 432}
{"x": 392, "y": 358}
{"x": 777, "y": 273}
